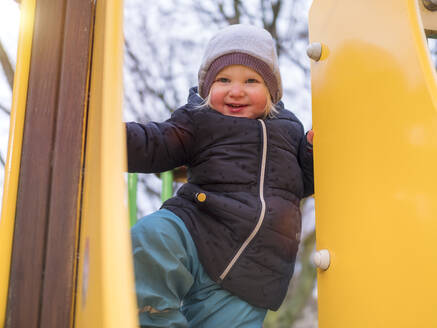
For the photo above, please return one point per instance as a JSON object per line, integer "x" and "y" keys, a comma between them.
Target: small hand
{"x": 310, "y": 136}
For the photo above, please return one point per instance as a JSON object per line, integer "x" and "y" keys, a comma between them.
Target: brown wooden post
{"x": 48, "y": 202}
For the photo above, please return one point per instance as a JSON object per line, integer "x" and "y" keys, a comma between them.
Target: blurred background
{"x": 164, "y": 43}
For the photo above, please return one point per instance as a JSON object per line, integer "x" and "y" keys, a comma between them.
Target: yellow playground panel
{"x": 105, "y": 290}
{"x": 374, "y": 94}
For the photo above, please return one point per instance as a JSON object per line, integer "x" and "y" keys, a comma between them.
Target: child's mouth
{"x": 236, "y": 107}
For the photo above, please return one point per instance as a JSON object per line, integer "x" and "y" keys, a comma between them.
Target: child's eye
{"x": 222, "y": 80}
{"x": 252, "y": 81}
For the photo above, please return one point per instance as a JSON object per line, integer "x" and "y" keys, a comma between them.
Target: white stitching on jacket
{"x": 263, "y": 205}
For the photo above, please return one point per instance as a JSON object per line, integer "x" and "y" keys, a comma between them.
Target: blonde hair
{"x": 269, "y": 110}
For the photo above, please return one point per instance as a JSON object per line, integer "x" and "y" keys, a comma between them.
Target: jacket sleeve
{"x": 307, "y": 165}
{"x": 157, "y": 147}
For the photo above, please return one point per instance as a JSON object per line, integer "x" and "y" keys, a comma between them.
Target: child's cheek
{"x": 217, "y": 100}
{"x": 259, "y": 99}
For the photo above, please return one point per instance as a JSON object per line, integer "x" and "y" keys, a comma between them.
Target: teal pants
{"x": 173, "y": 290}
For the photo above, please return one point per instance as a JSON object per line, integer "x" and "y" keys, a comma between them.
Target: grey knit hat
{"x": 241, "y": 45}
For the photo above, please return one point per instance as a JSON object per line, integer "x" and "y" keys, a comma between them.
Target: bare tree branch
{"x": 244, "y": 12}
{"x": 7, "y": 66}
{"x": 2, "y": 161}
{"x": 147, "y": 188}
{"x": 142, "y": 73}
{"x": 271, "y": 25}
{"x": 235, "y": 18}
{"x": 292, "y": 57}
{"x": 5, "y": 109}
{"x": 207, "y": 13}
{"x": 276, "y": 8}
{"x": 237, "y": 7}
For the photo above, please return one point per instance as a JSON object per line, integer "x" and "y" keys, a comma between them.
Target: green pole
{"x": 167, "y": 185}
{"x": 132, "y": 179}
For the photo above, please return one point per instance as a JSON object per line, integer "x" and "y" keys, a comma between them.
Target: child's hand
{"x": 310, "y": 136}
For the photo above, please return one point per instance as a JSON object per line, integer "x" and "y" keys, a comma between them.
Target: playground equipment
{"x": 167, "y": 178}
{"x": 65, "y": 252}
{"x": 374, "y": 91}
{"x": 65, "y": 203}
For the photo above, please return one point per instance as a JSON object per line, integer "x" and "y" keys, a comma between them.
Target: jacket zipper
{"x": 263, "y": 205}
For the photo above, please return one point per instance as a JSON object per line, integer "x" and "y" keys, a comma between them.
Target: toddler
{"x": 222, "y": 251}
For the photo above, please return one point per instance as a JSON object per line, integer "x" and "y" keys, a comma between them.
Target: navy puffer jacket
{"x": 253, "y": 173}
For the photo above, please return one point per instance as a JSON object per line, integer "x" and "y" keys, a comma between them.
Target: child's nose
{"x": 236, "y": 90}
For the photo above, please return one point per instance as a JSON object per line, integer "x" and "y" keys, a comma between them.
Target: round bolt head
{"x": 430, "y": 4}
{"x": 322, "y": 259}
{"x": 314, "y": 51}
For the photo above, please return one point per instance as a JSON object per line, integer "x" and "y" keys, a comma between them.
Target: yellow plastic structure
{"x": 12, "y": 166}
{"x": 374, "y": 97}
{"x": 105, "y": 289}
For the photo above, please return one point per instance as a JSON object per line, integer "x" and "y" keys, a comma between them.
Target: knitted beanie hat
{"x": 246, "y": 45}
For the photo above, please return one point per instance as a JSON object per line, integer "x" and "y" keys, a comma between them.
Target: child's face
{"x": 239, "y": 91}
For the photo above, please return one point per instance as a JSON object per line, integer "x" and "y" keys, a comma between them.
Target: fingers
{"x": 310, "y": 136}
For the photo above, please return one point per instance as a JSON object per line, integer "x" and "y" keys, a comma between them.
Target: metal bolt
{"x": 430, "y": 4}
{"x": 322, "y": 259}
{"x": 314, "y": 50}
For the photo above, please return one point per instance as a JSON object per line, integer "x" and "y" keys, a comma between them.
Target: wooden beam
{"x": 64, "y": 204}
{"x": 44, "y": 247}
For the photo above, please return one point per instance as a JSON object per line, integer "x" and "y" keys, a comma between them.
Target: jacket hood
{"x": 194, "y": 98}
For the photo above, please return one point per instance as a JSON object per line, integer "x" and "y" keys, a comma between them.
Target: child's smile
{"x": 239, "y": 91}
{"x": 236, "y": 108}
